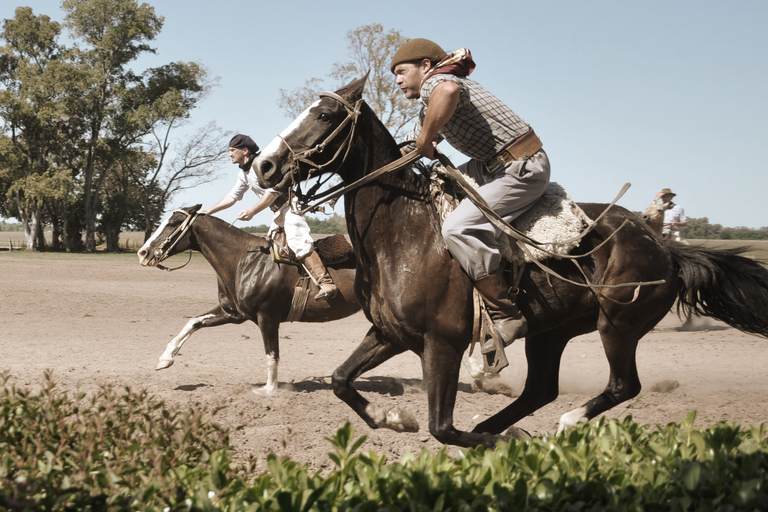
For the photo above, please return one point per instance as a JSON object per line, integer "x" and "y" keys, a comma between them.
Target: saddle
{"x": 333, "y": 250}
{"x": 554, "y": 220}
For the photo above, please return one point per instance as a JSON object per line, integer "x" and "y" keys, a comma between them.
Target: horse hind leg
{"x": 370, "y": 353}
{"x": 620, "y": 345}
{"x": 214, "y": 317}
{"x": 270, "y": 335}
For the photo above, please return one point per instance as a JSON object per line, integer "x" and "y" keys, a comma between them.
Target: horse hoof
{"x": 401, "y": 420}
{"x": 517, "y": 433}
{"x": 280, "y": 389}
{"x": 162, "y": 364}
{"x": 264, "y": 390}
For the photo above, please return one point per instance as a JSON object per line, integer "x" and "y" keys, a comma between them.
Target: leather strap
{"x": 522, "y": 148}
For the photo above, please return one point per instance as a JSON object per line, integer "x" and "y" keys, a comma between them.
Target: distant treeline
{"x": 330, "y": 226}
{"x": 10, "y": 226}
{"x": 702, "y": 229}
{"x": 696, "y": 229}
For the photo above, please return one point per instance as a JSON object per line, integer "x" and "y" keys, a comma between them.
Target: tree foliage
{"x": 702, "y": 229}
{"x": 370, "y": 49}
{"x": 87, "y": 143}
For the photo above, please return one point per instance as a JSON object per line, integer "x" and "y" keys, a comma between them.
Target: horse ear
{"x": 354, "y": 89}
{"x": 193, "y": 209}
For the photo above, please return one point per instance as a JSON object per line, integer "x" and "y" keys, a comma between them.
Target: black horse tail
{"x": 722, "y": 284}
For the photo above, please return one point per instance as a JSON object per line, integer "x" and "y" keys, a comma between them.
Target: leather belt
{"x": 521, "y": 148}
{"x": 278, "y": 203}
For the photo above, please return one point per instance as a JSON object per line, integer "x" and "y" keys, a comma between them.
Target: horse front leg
{"x": 214, "y": 317}
{"x": 372, "y": 351}
{"x": 441, "y": 364}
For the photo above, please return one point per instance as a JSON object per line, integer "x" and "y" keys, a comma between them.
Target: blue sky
{"x": 655, "y": 93}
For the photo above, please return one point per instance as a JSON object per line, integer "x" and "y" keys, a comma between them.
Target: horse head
{"x": 171, "y": 237}
{"x": 654, "y": 216}
{"x": 319, "y": 141}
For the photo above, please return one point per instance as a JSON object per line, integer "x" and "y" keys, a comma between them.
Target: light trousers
{"x": 297, "y": 233}
{"x": 509, "y": 191}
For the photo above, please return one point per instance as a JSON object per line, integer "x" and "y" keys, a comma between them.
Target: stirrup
{"x": 494, "y": 360}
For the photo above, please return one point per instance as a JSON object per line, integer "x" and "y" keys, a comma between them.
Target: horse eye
{"x": 324, "y": 117}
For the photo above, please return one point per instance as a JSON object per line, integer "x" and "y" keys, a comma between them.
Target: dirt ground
{"x": 96, "y": 319}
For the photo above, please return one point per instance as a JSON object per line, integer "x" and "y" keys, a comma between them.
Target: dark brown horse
{"x": 419, "y": 299}
{"x": 252, "y": 286}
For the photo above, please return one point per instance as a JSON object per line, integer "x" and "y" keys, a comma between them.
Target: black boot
{"x": 508, "y": 321}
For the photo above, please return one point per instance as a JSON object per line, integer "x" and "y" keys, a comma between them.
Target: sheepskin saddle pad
{"x": 333, "y": 250}
{"x": 554, "y": 221}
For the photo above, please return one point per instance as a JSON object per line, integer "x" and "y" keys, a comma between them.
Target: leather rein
{"x": 163, "y": 250}
{"x": 522, "y": 240}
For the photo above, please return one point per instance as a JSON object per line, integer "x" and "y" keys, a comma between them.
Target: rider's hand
{"x": 426, "y": 148}
{"x": 245, "y": 215}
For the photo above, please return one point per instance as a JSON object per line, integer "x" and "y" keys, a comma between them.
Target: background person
{"x": 243, "y": 151}
{"x": 674, "y": 216}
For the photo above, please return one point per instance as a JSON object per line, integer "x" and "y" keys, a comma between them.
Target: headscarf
{"x": 459, "y": 63}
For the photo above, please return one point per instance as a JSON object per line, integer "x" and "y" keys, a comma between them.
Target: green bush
{"x": 128, "y": 452}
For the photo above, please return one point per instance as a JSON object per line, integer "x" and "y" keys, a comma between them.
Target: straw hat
{"x": 666, "y": 191}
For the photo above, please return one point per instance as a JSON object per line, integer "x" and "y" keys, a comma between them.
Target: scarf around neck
{"x": 459, "y": 63}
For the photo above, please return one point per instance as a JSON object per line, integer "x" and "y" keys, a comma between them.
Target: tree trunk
{"x": 28, "y": 230}
{"x": 39, "y": 233}
{"x": 112, "y": 235}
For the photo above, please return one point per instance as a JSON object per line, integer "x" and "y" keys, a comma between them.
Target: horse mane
{"x": 414, "y": 179}
{"x": 224, "y": 226}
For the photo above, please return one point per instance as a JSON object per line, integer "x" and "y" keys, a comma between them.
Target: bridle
{"x": 163, "y": 250}
{"x": 353, "y": 111}
{"x": 299, "y": 157}
{"x": 336, "y": 191}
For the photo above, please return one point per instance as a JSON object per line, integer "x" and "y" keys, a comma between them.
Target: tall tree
{"x": 161, "y": 102}
{"x": 196, "y": 161}
{"x": 113, "y": 34}
{"x": 370, "y": 49}
{"x": 33, "y": 80}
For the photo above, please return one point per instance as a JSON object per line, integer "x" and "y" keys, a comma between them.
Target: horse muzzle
{"x": 271, "y": 174}
{"x": 147, "y": 259}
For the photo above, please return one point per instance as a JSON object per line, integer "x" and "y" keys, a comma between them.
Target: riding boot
{"x": 508, "y": 321}
{"x": 320, "y": 276}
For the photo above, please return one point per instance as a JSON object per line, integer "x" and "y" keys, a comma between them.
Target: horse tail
{"x": 722, "y": 284}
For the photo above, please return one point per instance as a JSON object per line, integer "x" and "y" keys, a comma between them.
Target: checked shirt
{"x": 481, "y": 124}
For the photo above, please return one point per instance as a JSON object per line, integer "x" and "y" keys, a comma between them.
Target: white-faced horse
{"x": 252, "y": 285}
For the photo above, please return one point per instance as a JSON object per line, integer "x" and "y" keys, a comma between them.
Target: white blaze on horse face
{"x": 274, "y": 146}
{"x": 144, "y": 260}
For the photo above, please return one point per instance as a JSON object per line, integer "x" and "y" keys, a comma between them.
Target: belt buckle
{"x": 495, "y": 163}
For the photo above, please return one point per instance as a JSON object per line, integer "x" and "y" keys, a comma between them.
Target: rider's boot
{"x": 320, "y": 276}
{"x": 508, "y": 321}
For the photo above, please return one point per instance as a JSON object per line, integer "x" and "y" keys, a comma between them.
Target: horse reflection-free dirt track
{"x": 102, "y": 319}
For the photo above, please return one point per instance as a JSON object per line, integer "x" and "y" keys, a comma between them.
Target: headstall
{"x": 163, "y": 250}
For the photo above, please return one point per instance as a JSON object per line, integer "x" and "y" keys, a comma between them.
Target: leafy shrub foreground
{"x": 126, "y": 451}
